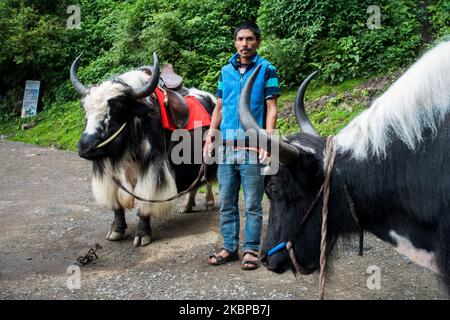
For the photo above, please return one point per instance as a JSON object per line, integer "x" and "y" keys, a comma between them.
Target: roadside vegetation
{"x": 355, "y": 62}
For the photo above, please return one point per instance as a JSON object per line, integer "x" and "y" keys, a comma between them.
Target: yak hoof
{"x": 209, "y": 206}
{"x": 209, "y": 199}
{"x": 115, "y": 236}
{"x": 141, "y": 241}
{"x": 185, "y": 209}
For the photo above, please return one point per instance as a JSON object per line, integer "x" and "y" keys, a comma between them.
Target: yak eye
{"x": 273, "y": 191}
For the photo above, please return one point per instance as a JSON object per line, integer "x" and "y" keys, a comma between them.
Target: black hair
{"x": 247, "y": 25}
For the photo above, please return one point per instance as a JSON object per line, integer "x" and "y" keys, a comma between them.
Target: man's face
{"x": 246, "y": 43}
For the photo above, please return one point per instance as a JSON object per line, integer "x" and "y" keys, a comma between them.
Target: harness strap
{"x": 277, "y": 248}
{"x": 201, "y": 177}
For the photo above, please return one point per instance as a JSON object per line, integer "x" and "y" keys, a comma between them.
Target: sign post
{"x": 30, "y": 98}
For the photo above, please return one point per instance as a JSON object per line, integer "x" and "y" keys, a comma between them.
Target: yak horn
{"x": 300, "y": 113}
{"x": 81, "y": 89}
{"x": 287, "y": 152}
{"x": 150, "y": 87}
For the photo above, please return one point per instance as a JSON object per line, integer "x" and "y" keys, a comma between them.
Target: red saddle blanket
{"x": 198, "y": 116}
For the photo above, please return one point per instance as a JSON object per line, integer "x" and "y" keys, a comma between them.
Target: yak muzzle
{"x": 87, "y": 147}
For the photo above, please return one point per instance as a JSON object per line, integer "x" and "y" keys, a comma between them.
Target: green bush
{"x": 196, "y": 37}
{"x": 440, "y": 17}
{"x": 333, "y": 36}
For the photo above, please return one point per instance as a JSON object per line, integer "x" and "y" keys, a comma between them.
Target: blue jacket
{"x": 231, "y": 84}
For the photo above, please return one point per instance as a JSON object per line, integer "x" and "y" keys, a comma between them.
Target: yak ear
{"x": 304, "y": 150}
{"x": 311, "y": 152}
{"x": 128, "y": 107}
{"x": 138, "y": 109}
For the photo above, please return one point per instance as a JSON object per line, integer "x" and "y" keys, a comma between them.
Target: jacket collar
{"x": 234, "y": 60}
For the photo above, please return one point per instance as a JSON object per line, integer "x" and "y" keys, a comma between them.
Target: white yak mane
{"x": 419, "y": 99}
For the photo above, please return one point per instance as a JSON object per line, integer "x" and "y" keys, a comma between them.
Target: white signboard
{"x": 30, "y": 98}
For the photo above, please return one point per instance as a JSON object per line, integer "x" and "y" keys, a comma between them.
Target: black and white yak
{"x": 124, "y": 138}
{"x": 393, "y": 161}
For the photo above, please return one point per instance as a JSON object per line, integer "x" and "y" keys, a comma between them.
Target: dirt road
{"x": 48, "y": 219}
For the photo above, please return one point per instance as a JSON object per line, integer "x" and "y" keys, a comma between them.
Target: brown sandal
{"x": 254, "y": 264}
{"x": 232, "y": 256}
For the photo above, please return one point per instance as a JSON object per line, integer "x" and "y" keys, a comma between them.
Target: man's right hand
{"x": 208, "y": 146}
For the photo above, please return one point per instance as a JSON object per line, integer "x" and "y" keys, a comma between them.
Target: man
{"x": 238, "y": 167}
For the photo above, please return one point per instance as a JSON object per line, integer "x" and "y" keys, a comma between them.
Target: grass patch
{"x": 60, "y": 126}
{"x": 329, "y": 120}
{"x": 317, "y": 90}
{"x": 345, "y": 101}
{"x": 335, "y": 116}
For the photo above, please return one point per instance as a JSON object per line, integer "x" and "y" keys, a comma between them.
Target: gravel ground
{"x": 48, "y": 219}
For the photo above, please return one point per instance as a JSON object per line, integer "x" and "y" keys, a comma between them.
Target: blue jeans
{"x": 231, "y": 174}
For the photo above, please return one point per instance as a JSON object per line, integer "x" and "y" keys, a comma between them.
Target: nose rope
{"x": 290, "y": 249}
{"x": 104, "y": 143}
{"x": 331, "y": 155}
